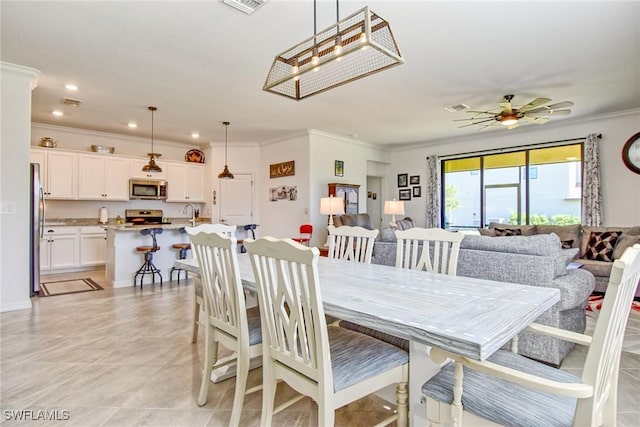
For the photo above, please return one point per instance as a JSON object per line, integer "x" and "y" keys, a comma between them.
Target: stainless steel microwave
{"x": 147, "y": 189}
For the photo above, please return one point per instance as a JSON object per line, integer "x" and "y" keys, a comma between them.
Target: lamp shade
{"x": 331, "y": 206}
{"x": 394, "y": 207}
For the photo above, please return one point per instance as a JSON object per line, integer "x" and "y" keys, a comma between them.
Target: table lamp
{"x": 331, "y": 206}
{"x": 393, "y": 207}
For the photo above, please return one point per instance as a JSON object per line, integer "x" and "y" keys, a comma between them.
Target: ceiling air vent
{"x": 247, "y": 6}
{"x": 454, "y": 108}
{"x": 71, "y": 102}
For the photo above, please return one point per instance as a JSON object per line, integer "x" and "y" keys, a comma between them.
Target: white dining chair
{"x": 332, "y": 365}
{"x": 228, "y": 321}
{"x": 509, "y": 389}
{"x": 351, "y": 243}
{"x": 198, "y": 298}
{"x": 430, "y": 249}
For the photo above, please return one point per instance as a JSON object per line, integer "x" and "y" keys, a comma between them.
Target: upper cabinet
{"x": 103, "y": 178}
{"x": 349, "y": 193}
{"x": 58, "y": 172}
{"x": 185, "y": 182}
{"x": 136, "y": 170}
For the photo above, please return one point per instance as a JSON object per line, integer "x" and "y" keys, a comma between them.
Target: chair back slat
{"x": 603, "y": 359}
{"x": 430, "y": 249}
{"x": 222, "y": 287}
{"x": 293, "y": 328}
{"x": 351, "y": 243}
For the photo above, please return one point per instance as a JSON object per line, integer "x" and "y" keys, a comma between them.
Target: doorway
{"x": 236, "y": 200}
{"x": 374, "y": 200}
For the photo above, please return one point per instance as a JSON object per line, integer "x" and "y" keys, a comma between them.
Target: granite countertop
{"x": 175, "y": 223}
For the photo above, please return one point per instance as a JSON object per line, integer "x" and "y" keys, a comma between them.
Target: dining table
{"x": 463, "y": 315}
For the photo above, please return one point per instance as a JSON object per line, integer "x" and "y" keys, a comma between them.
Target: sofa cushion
{"x": 354, "y": 220}
{"x": 586, "y": 233}
{"x": 387, "y": 235}
{"x": 489, "y": 232}
{"x": 525, "y": 230}
{"x": 565, "y": 232}
{"x": 597, "y": 268}
{"x": 601, "y": 244}
{"x": 623, "y": 243}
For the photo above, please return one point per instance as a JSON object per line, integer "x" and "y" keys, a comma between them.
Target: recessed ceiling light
{"x": 132, "y": 125}
{"x": 71, "y": 86}
{"x": 195, "y": 135}
{"x": 57, "y": 113}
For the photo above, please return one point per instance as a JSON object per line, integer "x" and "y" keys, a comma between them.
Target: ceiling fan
{"x": 507, "y": 115}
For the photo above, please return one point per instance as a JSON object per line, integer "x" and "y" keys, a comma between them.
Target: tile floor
{"x": 123, "y": 357}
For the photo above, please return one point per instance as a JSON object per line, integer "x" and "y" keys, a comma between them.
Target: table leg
{"x": 421, "y": 368}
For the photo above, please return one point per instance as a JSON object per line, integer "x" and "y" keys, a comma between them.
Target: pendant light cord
{"x": 226, "y": 127}
{"x": 152, "y": 151}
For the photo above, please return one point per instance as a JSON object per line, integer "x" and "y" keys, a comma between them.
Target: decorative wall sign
{"x": 283, "y": 193}
{"x": 278, "y": 170}
{"x": 194, "y": 156}
{"x": 339, "y": 168}
{"x": 414, "y": 179}
{"x": 403, "y": 180}
{"x": 404, "y": 194}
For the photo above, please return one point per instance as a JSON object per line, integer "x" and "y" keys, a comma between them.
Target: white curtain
{"x": 591, "y": 194}
{"x": 432, "y": 193}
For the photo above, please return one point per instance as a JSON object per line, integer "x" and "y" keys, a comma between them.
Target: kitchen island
{"x": 122, "y": 259}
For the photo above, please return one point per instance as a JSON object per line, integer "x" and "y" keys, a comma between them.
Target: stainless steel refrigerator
{"x": 36, "y": 218}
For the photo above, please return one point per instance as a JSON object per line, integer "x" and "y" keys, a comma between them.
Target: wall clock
{"x": 631, "y": 153}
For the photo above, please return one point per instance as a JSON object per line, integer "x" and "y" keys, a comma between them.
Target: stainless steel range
{"x": 144, "y": 216}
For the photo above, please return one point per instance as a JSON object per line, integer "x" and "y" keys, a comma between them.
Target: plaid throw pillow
{"x": 508, "y": 231}
{"x": 601, "y": 245}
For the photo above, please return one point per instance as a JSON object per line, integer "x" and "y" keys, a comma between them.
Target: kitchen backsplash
{"x": 91, "y": 209}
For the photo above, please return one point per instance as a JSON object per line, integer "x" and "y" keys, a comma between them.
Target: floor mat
{"x": 631, "y": 342}
{"x": 64, "y": 287}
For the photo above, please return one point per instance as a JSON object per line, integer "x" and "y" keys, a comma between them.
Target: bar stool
{"x": 147, "y": 266}
{"x": 249, "y": 228}
{"x": 182, "y": 254}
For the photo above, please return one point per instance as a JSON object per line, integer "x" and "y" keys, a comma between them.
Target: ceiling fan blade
{"x": 538, "y": 110}
{"x": 475, "y": 123}
{"x": 543, "y": 113}
{"x": 561, "y": 105}
{"x": 513, "y": 126}
{"x": 541, "y": 120}
{"x": 560, "y": 112}
{"x": 480, "y": 112}
{"x": 533, "y": 104}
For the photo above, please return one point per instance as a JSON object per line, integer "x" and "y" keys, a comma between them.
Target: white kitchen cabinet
{"x": 60, "y": 248}
{"x": 185, "y": 182}
{"x": 103, "y": 178}
{"x": 93, "y": 246}
{"x": 58, "y": 173}
{"x": 135, "y": 170}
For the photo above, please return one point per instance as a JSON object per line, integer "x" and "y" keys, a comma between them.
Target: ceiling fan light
{"x": 510, "y": 120}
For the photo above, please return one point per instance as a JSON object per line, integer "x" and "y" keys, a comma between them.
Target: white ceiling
{"x": 203, "y": 62}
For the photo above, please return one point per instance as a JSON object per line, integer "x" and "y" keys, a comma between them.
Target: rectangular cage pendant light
{"x": 352, "y": 48}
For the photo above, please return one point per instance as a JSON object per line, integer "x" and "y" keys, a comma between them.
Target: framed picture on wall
{"x": 403, "y": 180}
{"x": 404, "y": 194}
{"x": 339, "y": 168}
{"x": 414, "y": 179}
{"x": 416, "y": 191}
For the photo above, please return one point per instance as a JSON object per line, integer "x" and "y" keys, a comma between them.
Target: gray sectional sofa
{"x": 531, "y": 260}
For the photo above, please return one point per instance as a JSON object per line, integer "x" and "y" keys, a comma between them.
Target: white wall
{"x": 358, "y": 157}
{"x": 284, "y": 217}
{"x": 620, "y": 186}
{"x": 17, "y": 83}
